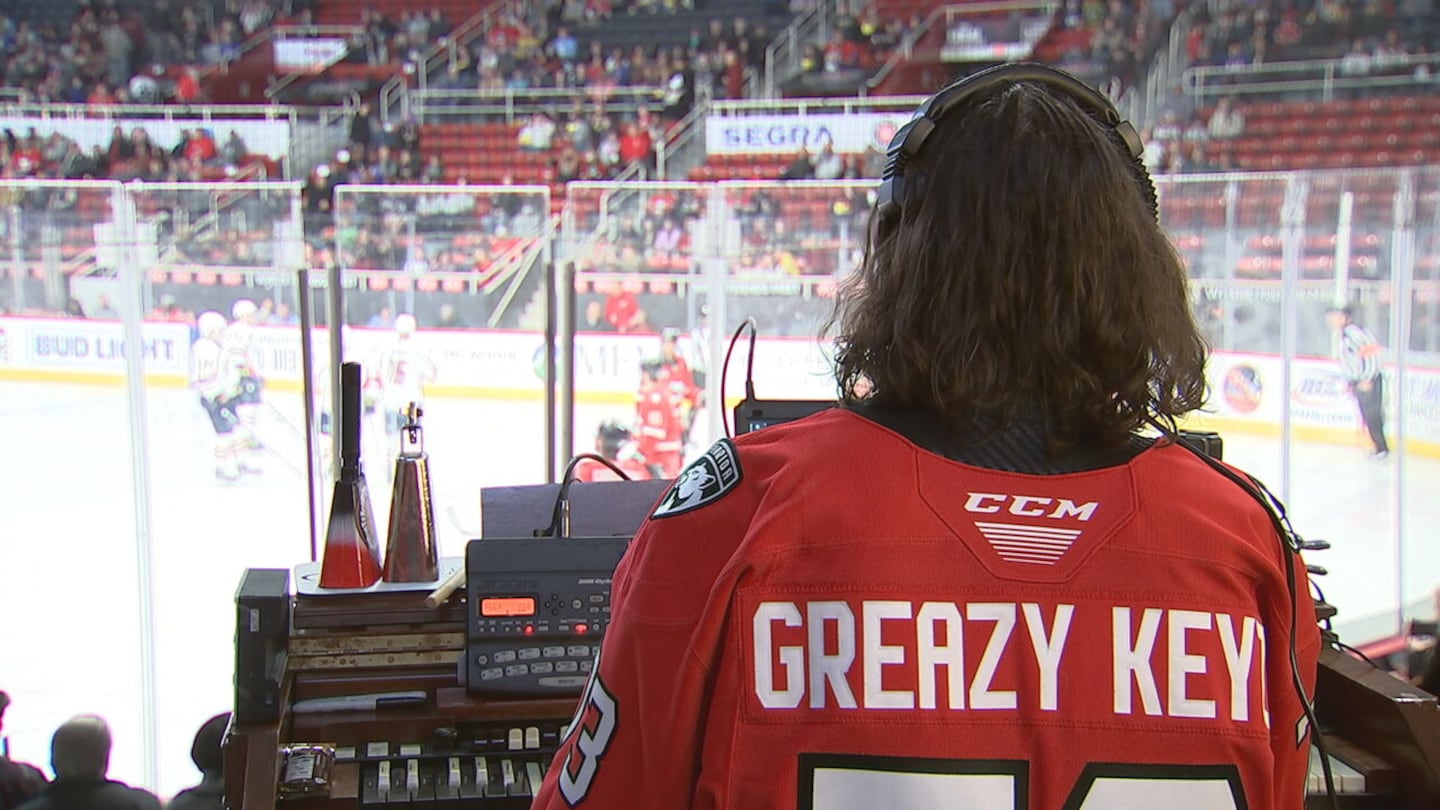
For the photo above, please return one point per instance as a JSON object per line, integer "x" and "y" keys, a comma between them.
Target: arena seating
{"x": 486, "y": 153}
{"x": 352, "y": 12}
{"x": 1367, "y": 132}
{"x": 669, "y": 29}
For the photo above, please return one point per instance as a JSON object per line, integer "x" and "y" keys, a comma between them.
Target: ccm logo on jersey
{"x": 898, "y": 654}
{"x": 1028, "y": 542}
{"x": 1029, "y": 506}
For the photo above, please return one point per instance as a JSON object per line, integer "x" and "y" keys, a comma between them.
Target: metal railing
{"x": 676, "y": 153}
{"x": 949, "y": 14}
{"x": 1325, "y": 76}
{"x": 784, "y": 52}
{"x": 804, "y": 106}
{"x": 518, "y": 265}
{"x": 1168, "y": 64}
{"x": 514, "y": 104}
{"x": 207, "y": 113}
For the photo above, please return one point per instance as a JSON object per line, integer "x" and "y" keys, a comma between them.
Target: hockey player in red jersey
{"x": 984, "y": 581}
{"x": 662, "y": 435}
{"x": 615, "y": 443}
{"x": 675, "y": 372}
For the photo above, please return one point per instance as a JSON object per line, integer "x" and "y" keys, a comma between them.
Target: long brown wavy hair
{"x": 1028, "y": 273}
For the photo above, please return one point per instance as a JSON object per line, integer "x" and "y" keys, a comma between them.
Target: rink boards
{"x": 1246, "y": 389}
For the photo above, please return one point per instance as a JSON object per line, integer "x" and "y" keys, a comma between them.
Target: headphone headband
{"x": 906, "y": 144}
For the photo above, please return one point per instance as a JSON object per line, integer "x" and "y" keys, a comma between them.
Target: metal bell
{"x": 410, "y": 554}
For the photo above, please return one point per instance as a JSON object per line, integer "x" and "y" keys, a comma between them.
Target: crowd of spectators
{"x": 132, "y": 155}
{"x": 1177, "y": 144}
{"x": 605, "y": 124}
{"x": 1369, "y": 37}
{"x": 1123, "y": 37}
{"x": 857, "y": 45}
{"x": 586, "y": 142}
{"x": 384, "y": 41}
{"x": 141, "y": 54}
{"x": 375, "y": 154}
{"x": 543, "y": 51}
{"x": 80, "y": 762}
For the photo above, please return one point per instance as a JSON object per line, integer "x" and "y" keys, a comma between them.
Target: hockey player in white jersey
{"x": 217, "y": 380}
{"x": 403, "y": 371}
{"x": 239, "y": 344}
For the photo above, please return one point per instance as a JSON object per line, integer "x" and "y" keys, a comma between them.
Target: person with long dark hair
{"x": 992, "y": 577}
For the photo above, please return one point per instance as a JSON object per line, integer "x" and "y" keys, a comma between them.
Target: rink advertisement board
{"x": 847, "y": 133}
{"x": 82, "y": 346}
{"x": 1249, "y": 390}
{"x": 1246, "y": 390}
{"x": 501, "y": 364}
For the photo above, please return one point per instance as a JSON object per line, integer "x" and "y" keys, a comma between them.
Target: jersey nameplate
{"x": 706, "y": 480}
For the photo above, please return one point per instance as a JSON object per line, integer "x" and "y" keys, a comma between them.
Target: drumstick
{"x": 440, "y": 594}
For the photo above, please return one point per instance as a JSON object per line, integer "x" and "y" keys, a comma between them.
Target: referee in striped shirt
{"x": 1358, "y": 353}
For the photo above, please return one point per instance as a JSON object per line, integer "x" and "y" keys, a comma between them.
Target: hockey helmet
{"x": 210, "y": 324}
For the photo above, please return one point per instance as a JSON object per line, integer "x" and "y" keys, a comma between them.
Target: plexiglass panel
{"x": 444, "y": 300}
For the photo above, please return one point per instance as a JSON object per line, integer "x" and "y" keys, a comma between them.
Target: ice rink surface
{"x": 70, "y": 632}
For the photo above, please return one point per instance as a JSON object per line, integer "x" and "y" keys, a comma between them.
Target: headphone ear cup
{"x": 889, "y": 203}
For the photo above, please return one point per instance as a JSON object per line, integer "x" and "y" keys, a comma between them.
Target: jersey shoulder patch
{"x": 705, "y": 481}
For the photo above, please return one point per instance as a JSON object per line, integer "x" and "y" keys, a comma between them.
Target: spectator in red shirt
{"x": 635, "y": 144}
{"x": 100, "y": 95}
{"x": 187, "y": 87}
{"x": 622, "y": 310}
{"x": 199, "y": 146}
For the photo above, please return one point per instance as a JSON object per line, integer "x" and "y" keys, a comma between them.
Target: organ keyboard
{"x": 494, "y": 765}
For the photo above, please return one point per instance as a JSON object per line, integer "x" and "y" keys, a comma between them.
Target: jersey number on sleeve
{"x": 593, "y": 728}
{"x": 844, "y": 782}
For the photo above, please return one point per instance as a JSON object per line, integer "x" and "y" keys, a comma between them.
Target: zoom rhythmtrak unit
{"x": 537, "y": 609}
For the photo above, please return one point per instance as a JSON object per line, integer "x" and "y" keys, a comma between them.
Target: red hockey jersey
{"x": 660, "y": 436}
{"x": 824, "y": 616}
{"x": 677, "y": 377}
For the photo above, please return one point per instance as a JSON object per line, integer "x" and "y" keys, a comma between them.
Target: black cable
{"x": 562, "y": 499}
{"x": 1319, "y": 596}
{"x": 1290, "y": 541}
{"x": 749, "y": 374}
{"x": 1363, "y": 657}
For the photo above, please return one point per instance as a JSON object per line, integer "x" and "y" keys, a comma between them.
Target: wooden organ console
{"x": 452, "y": 750}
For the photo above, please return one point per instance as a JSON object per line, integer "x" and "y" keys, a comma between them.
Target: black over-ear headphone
{"x": 897, "y": 190}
